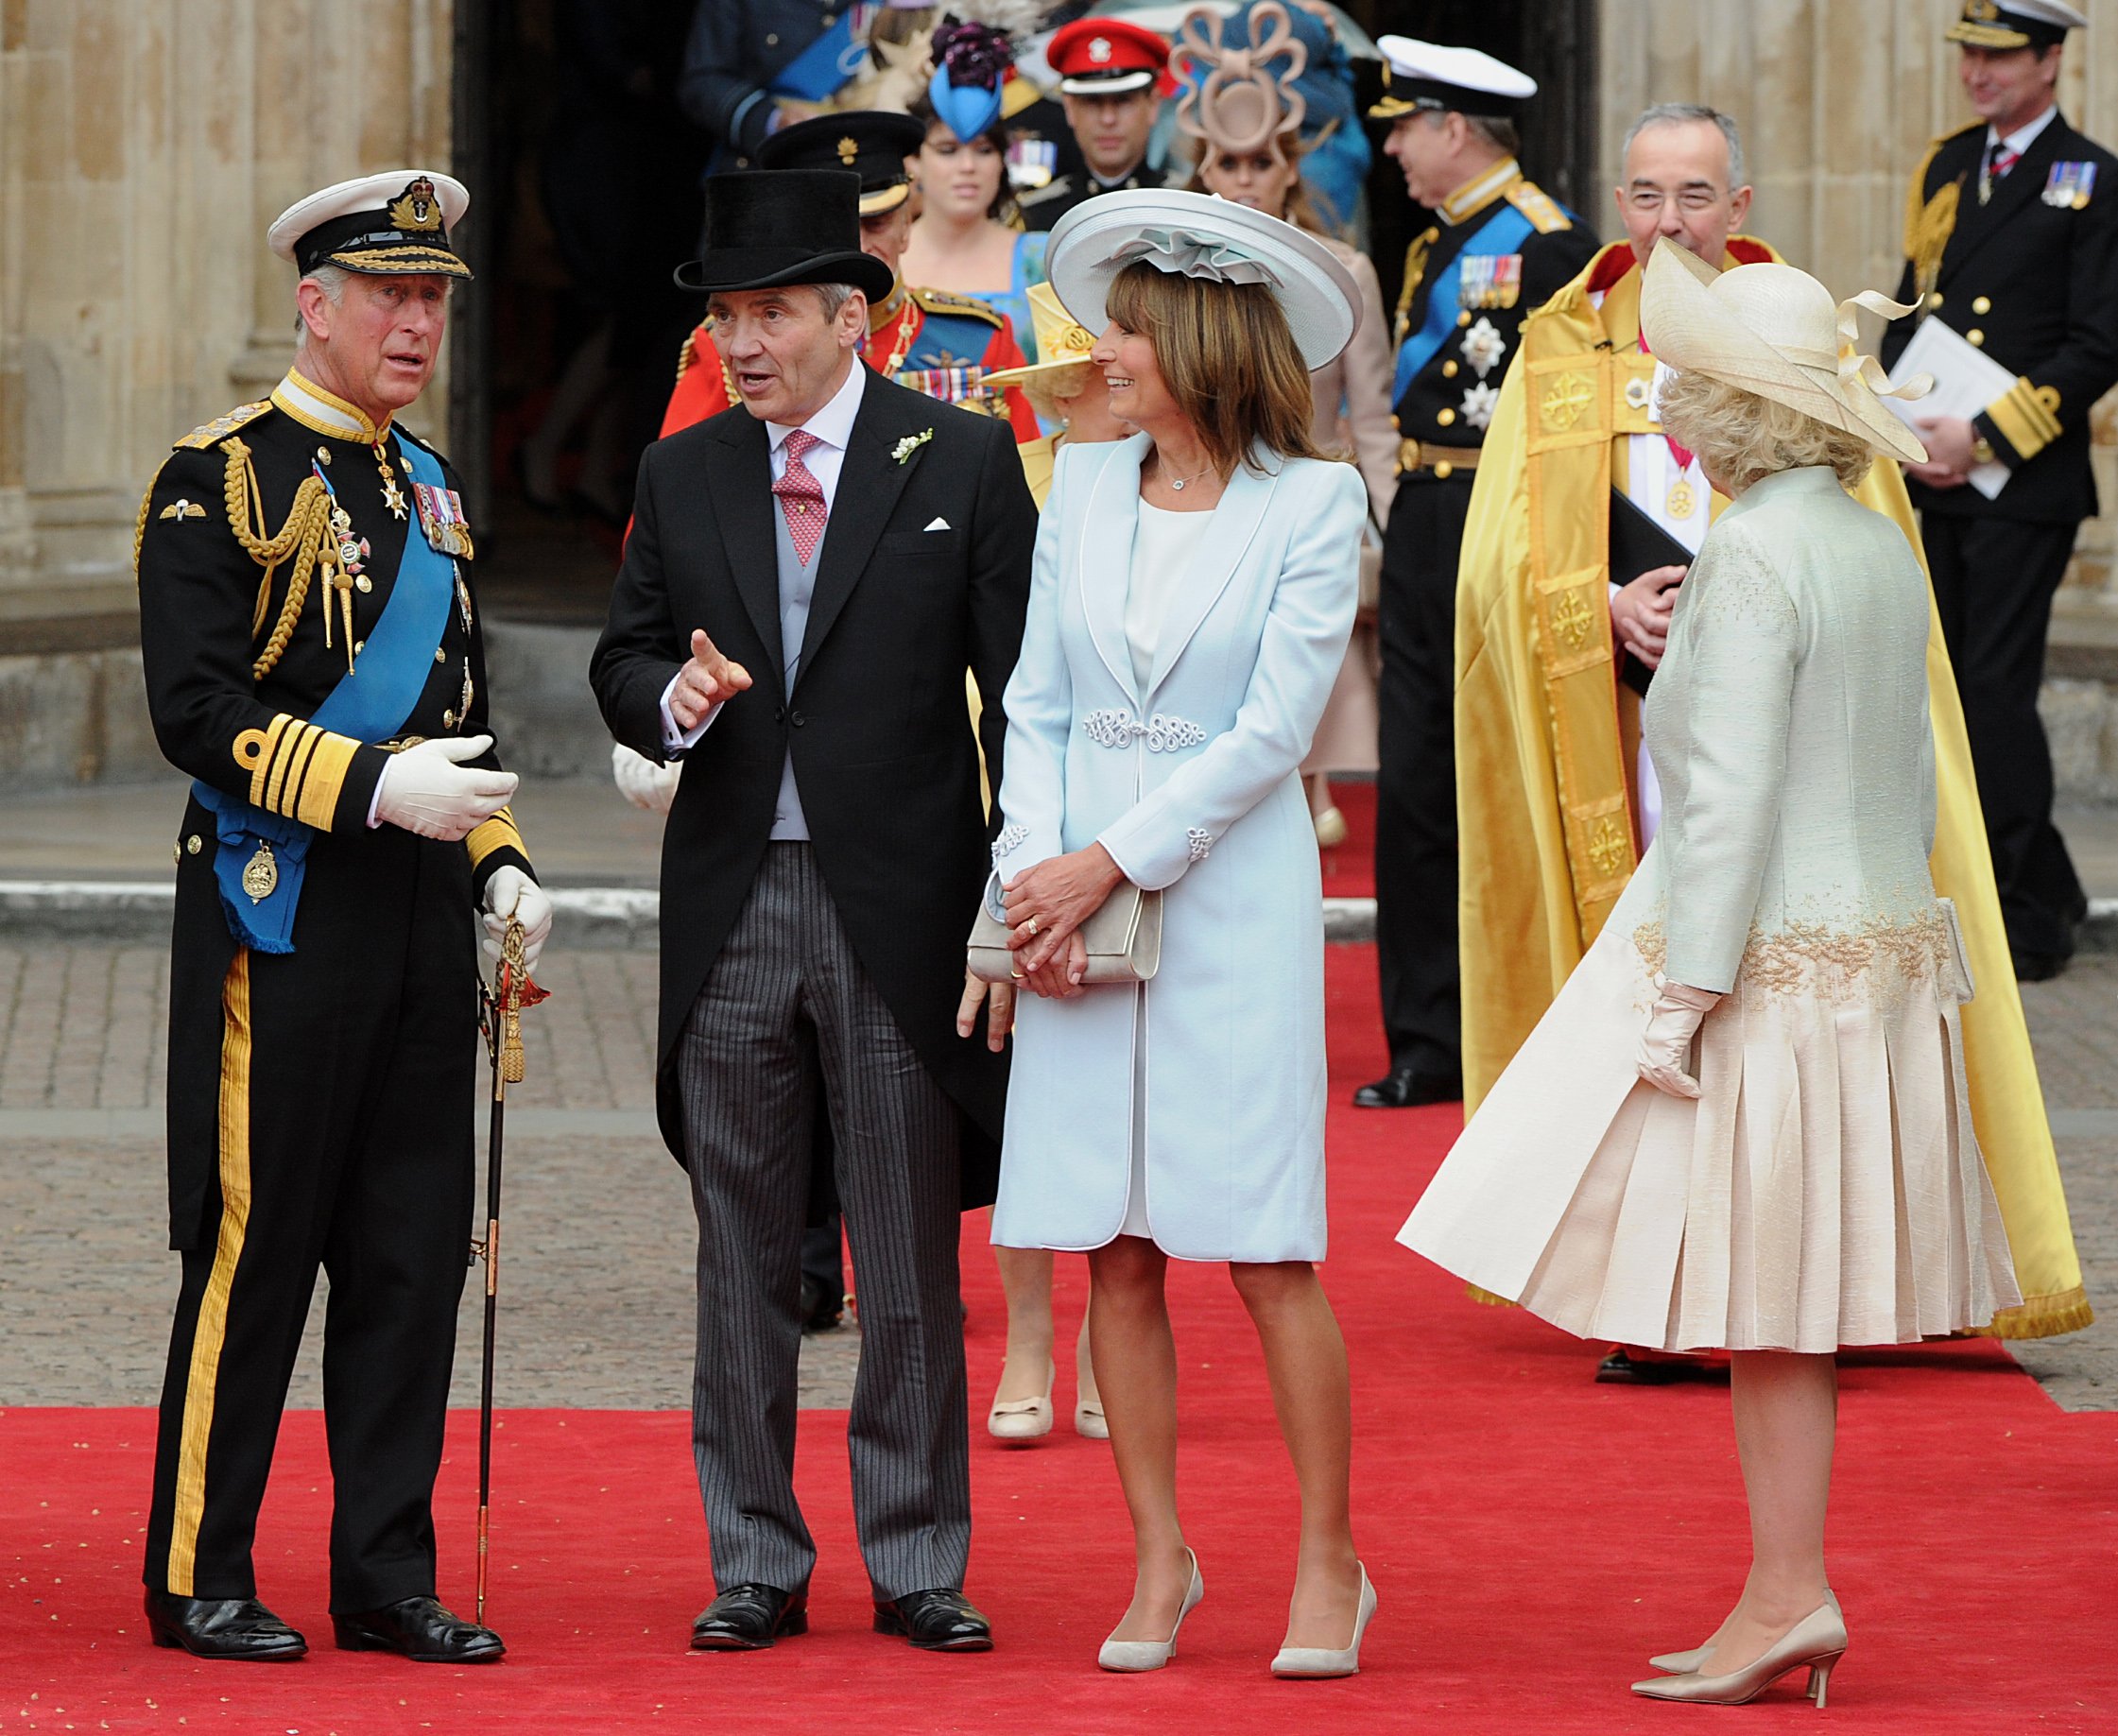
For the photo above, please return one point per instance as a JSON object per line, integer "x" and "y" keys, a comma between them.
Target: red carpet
{"x": 1533, "y": 1538}
{"x": 1350, "y": 869}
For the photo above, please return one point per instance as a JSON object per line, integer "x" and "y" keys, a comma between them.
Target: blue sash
{"x": 371, "y": 704}
{"x": 1503, "y": 232}
{"x": 829, "y": 63}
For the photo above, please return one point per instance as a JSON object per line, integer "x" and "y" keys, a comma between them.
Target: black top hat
{"x": 874, "y": 142}
{"x": 769, "y": 227}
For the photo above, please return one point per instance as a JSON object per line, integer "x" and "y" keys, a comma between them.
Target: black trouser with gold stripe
{"x": 1416, "y": 782}
{"x": 343, "y": 1134}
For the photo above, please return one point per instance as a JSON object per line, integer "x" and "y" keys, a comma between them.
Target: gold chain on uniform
{"x": 304, "y": 535}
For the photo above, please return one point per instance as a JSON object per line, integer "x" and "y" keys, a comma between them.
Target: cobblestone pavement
{"x": 596, "y": 1286}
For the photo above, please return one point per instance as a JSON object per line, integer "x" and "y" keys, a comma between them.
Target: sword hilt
{"x": 514, "y": 972}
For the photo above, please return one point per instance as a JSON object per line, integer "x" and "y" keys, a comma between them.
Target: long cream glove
{"x": 1665, "y": 1045}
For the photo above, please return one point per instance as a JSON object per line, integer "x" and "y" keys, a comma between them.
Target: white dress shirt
{"x": 2020, "y": 139}
{"x": 833, "y": 427}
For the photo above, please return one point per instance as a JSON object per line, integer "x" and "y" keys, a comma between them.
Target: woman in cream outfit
{"x": 1193, "y": 593}
{"x": 1246, "y": 113}
{"x": 1743, "y": 1122}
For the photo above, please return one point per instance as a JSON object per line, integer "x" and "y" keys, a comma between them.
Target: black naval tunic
{"x": 1044, "y": 206}
{"x": 2030, "y": 276}
{"x": 321, "y": 1100}
{"x": 1441, "y": 413}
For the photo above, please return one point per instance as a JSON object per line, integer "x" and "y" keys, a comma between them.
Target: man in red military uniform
{"x": 937, "y": 343}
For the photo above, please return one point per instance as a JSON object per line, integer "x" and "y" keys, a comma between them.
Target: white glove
{"x": 642, "y": 782}
{"x": 1665, "y": 1045}
{"x": 426, "y": 790}
{"x": 512, "y": 893}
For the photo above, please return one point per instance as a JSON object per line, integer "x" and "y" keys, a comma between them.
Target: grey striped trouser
{"x": 785, "y": 1012}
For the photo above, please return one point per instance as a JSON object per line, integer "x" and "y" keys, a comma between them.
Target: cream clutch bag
{"x": 1124, "y": 939}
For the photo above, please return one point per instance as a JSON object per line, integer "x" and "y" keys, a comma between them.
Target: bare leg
{"x": 1320, "y": 792}
{"x": 1084, "y": 1363}
{"x": 1305, "y": 1360}
{"x": 1787, "y": 1419}
{"x": 1025, "y": 1279}
{"x": 1136, "y": 1361}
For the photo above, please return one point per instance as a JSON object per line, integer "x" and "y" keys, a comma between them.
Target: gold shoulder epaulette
{"x": 208, "y": 433}
{"x": 1539, "y": 207}
{"x": 963, "y": 308}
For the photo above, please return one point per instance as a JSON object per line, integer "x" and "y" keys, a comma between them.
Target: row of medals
{"x": 261, "y": 873}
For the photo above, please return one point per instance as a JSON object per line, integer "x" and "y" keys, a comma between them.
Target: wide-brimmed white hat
{"x": 1772, "y": 330}
{"x": 1200, "y": 235}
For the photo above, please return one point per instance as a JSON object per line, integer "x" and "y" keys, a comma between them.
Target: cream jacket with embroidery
{"x": 1789, "y": 726}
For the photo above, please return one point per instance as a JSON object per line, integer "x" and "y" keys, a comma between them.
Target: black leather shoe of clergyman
{"x": 938, "y": 1620}
{"x": 1407, "y": 1088}
{"x": 749, "y": 1618}
{"x": 419, "y": 1628}
{"x": 222, "y": 1628}
{"x": 2038, "y": 967}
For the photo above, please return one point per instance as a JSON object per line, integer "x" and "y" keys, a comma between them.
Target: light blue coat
{"x": 1192, "y": 785}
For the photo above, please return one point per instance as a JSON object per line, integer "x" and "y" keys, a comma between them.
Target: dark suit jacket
{"x": 884, "y": 753}
{"x": 2037, "y": 283}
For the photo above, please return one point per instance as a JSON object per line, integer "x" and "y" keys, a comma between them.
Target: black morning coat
{"x": 2036, "y": 279}
{"x": 884, "y": 752}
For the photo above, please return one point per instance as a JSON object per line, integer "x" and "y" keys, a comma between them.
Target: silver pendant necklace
{"x": 1178, "y": 483}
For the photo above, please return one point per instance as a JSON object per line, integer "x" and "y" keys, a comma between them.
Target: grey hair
{"x": 1494, "y": 129}
{"x": 1685, "y": 114}
{"x": 332, "y": 281}
{"x": 833, "y": 297}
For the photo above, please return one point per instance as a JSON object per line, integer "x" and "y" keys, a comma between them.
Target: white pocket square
{"x": 938, "y": 524}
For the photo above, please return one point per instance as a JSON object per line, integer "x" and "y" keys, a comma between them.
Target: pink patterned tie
{"x": 801, "y": 497}
{"x": 2003, "y": 160}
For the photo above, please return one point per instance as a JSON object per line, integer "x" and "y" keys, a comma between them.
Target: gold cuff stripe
{"x": 318, "y": 801}
{"x": 298, "y": 768}
{"x": 495, "y": 834}
{"x": 254, "y": 751}
{"x": 2024, "y": 419}
{"x": 210, "y": 1332}
{"x": 283, "y": 760}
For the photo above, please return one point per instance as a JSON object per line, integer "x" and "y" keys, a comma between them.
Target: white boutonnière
{"x": 910, "y": 444}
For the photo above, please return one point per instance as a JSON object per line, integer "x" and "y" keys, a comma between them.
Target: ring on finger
{"x": 1030, "y": 926}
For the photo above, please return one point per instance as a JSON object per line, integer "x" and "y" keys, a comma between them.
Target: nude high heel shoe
{"x": 1816, "y": 1642}
{"x": 1020, "y": 1420}
{"x": 1134, "y": 1657}
{"x": 1683, "y": 1663}
{"x": 1309, "y": 1661}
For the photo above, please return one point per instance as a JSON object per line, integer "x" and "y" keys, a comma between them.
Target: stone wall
{"x": 144, "y": 146}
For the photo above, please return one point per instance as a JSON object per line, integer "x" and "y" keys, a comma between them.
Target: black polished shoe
{"x": 940, "y": 1621}
{"x": 820, "y": 1313}
{"x": 222, "y": 1628}
{"x": 749, "y": 1618}
{"x": 1407, "y": 1088}
{"x": 1619, "y": 1369}
{"x": 2038, "y": 967}
{"x": 419, "y": 1628}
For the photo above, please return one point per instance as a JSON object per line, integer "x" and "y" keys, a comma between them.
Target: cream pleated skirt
{"x": 1826, "y": 1189}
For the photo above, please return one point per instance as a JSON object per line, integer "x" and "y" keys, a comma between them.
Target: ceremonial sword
{"x": 500, "y": 1019}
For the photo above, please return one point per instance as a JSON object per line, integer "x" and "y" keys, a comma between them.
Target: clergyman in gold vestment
{"x": 1549, "y": 790}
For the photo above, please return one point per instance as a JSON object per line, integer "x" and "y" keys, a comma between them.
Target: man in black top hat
{"x": 2011, "y": 240}
{"x": 804, "y": 589}
{"x": 314, "y": 660}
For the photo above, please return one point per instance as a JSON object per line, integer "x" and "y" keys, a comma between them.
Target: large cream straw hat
{"x": 1773, "y": 329}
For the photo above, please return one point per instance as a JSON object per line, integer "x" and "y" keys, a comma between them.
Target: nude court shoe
{"x": 1303, "y": 1661}
{"x": 1021, "y": 1419}
{"x": 1816, "y": 1642}
{"x": 1133, "y": 1657}
{"x": 1683, "y": 1663}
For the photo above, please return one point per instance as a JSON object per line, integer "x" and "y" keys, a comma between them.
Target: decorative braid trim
{"x": 1828, "y": 958}
{"x": 1199, "y": 841}
{"x": 1115, "y": 726}
{"x": 1012, "y": 838}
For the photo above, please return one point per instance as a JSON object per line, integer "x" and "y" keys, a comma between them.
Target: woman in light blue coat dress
{"x": 1194, "y": 588}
